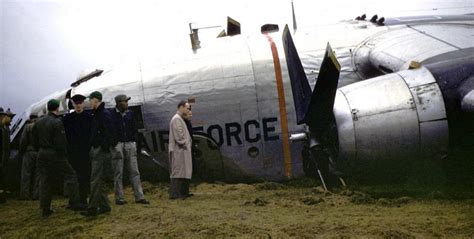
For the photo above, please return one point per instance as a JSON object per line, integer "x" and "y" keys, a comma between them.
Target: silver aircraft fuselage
{"x": 243, "y": 96}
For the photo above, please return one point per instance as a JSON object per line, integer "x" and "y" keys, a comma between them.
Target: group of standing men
{"x": 86, "y": 149}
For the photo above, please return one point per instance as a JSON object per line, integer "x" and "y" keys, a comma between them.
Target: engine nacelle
{"x": 395, "y": 116}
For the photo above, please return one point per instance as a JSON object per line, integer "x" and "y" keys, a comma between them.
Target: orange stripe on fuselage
{"x": 282, "y": 106}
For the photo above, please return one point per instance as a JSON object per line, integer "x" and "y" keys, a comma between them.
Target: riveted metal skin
{"x": 236, "y": 100}
{"x": 392, "y": 116}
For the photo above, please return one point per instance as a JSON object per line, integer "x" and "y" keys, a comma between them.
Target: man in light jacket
{"x": 181, "y": 165}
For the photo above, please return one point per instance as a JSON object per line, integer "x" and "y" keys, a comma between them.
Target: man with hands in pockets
{"x": 124, "y": 153}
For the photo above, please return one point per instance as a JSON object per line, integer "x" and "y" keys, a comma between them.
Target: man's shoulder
{"x": 176, "y": 117}
{"x": 129, "y": 113}
{"x": 29, "y": 126}
{"x": 41, "y": 120}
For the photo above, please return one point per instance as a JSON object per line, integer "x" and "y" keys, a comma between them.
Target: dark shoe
{"x": 120, "y": 202}
{"x": 46, "y": 213}
{"x": 24, "y": 198}
{"x": 91, "y": 212}
{"x": 104, "y": 210}
{"x": 175, "y": 198}
{"x": 143, "y": 201}
{"x": 78, "y": 207}
{"x": 3, "y": 198}
{"x": 189, "y": 195}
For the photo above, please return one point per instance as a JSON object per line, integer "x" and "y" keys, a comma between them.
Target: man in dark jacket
{"x": 124, "y": 151}
{"x": 78, "y": 127}
{"x": 29, "y": 174}
{"x": 50, "y": 140}
{"x": 5, "y": 120}
{"x": 100, "y": 157}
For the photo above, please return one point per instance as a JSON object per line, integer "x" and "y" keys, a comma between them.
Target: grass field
{"x": 296, "y": 208}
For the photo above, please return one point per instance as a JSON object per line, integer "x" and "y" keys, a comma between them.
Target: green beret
{"x": 53, "y": 104}
{"x": 96, "y": 94}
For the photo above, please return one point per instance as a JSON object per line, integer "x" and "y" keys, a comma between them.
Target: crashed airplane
{"x": 272, "y": 106}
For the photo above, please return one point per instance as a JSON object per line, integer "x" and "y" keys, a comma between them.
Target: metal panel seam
{"x": 353, "y": 125}
{"x": 416, "y": 110}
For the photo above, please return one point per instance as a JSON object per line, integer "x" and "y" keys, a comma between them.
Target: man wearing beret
{"x": 100, "y": 156}
{"x": 124, "y": 151}
{"x": 5, "y": 120}
{"x": 50, "y": 140}
{"x": 78, "y": 132}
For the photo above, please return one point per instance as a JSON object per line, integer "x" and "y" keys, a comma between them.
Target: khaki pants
{"x": 125, "y": 154}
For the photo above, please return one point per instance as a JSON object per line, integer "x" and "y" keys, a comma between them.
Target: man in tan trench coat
{"x": 181, "y": 164}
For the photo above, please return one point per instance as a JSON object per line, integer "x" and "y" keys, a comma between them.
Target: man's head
{"x": 2, "y": 114}
{"x": 121, "y": 102}
{"x": 78, "y": 103}
{"x": 53, "y": 106}
{"x": 95, "y": 98}
{"x": 33, "y": 118}
{"x": 6, "y": 117}
{"x": 184, "y": 108}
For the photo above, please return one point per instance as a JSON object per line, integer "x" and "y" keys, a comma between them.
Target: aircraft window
{"x": 253, "y": 152}
{"x": 137, "y": 115}
{"x": 269, "y": 28}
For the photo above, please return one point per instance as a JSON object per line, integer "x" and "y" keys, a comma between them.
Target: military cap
{"x": 78, "y": 98}
{"x": 53, "y": 104}
{"x": 2, "y": 112}
{"x": 96, "y": 94}
{"x": 119, "y": 98}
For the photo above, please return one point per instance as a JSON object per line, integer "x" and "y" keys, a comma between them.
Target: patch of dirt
{"x": 361, "y": 198}
{"x": 257, "y": 202}
{"x": 269, "y": 186}
{"x": 395, "y": 234}
{"x": 312, "y": 200}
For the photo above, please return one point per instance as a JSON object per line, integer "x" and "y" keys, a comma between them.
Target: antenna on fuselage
{"x": 195, "y": 43}
{"x": 294, "y": 17}
{"x": 194, "y": 35}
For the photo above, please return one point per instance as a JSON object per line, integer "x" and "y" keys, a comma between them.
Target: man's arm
{"x": 180, "y": 133}
{"x": 134, "y": 135}
{"x": 108, "y": 121}
{"x": 23, "y": 141}
{"x": 59, "y": 138}
{"x": 35, "y": 139}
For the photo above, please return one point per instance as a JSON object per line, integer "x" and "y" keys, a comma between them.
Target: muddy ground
{"x": 297, "y": 208}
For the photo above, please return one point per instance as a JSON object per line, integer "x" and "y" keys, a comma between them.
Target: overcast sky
{"x": 44, "y": 45}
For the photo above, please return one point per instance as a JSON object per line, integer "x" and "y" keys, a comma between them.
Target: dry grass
{"x": 243, "y": 210}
